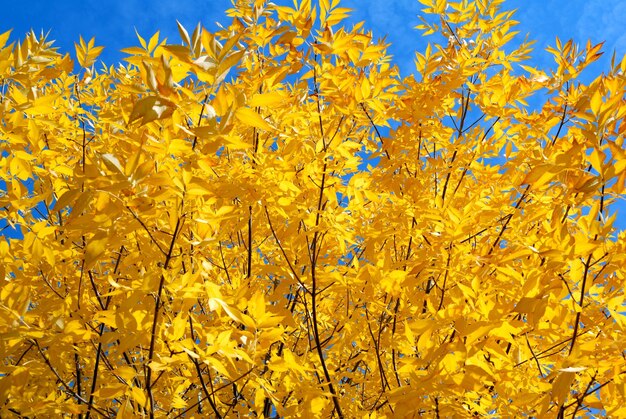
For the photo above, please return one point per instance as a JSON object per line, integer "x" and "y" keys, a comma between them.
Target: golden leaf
{"x": 249, "y": 117}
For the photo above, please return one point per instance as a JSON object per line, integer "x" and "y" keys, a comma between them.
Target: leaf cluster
{"x": 269, "y": 220}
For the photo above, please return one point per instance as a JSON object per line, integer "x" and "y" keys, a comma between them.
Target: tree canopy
{"x": 269, "y": 220}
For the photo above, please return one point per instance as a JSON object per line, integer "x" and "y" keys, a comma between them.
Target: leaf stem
{"x": 155, "y": 320}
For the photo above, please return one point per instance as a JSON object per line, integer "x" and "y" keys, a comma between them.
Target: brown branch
{"x": 533, "y": 354}
{"x": 540, "y": 355}
{"x": 580, "y": 399}
{"x": 213, "y": 392}
{"x": 249, "y": 273}
{"x": 224, "y": 262}
{"x": 23, "y": 355}
{"x": 155, "y": 320}
{"x": 291, "y": 268}
{"x": 267, "y": 403}
{"x": 445, "y": 277}
{"x": 380, "y": 137}
{"x": 68, "y": 389}
{"x": 458, "y": 41}
{"x": 50, "y": 285}
{"x": 561, "y": 124}
{"x": 508, "y": 220}
{"x": 209, "y": 396}
{"x": 319, "y": 107}
{"x": 195, "y": 138}
{"x": 393, "y": 350}
{"x": 580, "y": 303}
{"x": 383, "y": 378}
{"x": 147, "y": 231}
{"x": 464, "y": 108}
{"x": 104, "y": 306}
{"x": 79, "y": 377}
{"x": 313, "y": 255}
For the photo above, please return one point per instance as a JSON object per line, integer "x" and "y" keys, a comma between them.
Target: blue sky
{"x": 113, "y": 23}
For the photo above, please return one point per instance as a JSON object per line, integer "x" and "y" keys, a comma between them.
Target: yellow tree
{"x": 270, "y": 221}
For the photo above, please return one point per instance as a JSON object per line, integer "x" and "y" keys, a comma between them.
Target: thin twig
{"x": 155, "y": 320}
{"x": 291, "y": 268}
{"x": 380, "y": 137}
{"x": 199, "y": 372}
{"x": 147, "y": 230}
{"x": 68, "y": 389}
{"x": 213, "y": 392}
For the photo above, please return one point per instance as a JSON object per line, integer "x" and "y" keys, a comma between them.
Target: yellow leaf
{"x": 157, "y": 366}
{"x": 231, "y": 312}
{"x": 191, "y": 353}
{"x": 112, "y": 390}
{"x": 18, "y": 96}
{"x": 540, "y": 175}
{"x": 366, "y": 88}
{"x": 217, "y": 365}
{"x": 266, "y": 99}
{"x": 39, "y": 110}
{"x": 596, "y": 158}
{"x": 95, "y": 248}
{"x": 249, "y": 117}
{"x": 228, "y": 63}
{"x": 317, "y": 405}
{"x": 4, "y": 37}
{"x": 151, "y": 108}
{"x": 138, "y": 395}
{"x": 596, "y": 102}
{"x": 573, "y": 369}
{"x": 561, "y": 386}
{"x": 106, "y": 317}
{"x": 112, "y": 163}
{"x": 154, "y": 40}
{"x": 87, "y": 53}
{"x": 183, "y": 33}
{"x": 256, "y": 306}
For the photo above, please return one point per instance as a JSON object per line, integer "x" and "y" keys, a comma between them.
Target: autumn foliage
{"x": 270, "y": 221}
